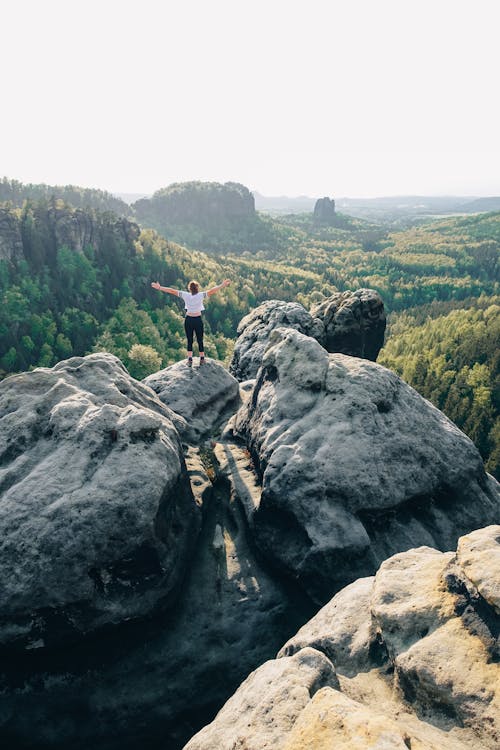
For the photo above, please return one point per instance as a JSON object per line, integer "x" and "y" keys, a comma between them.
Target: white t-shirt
{"x": 193, "y": 302}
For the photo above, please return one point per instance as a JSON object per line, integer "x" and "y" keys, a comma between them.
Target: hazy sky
{"x": 351, "y": 98}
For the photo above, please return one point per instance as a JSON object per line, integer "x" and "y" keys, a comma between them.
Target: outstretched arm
{"x": 156, "y": 285}
{"x": 214, "y": 289}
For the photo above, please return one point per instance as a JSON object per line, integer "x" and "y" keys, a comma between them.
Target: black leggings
{"x": 194, "y": 325}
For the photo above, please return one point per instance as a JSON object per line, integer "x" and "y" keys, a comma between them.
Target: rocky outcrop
{"x": 324, "y": 211}
{"x": 354, "y": 465}
{"x": 414, "y": 651}
{"x": 11, "y": 243}
{"x": 79, "y": 229}
{"x": 353, "y": 323}
{"x": 114, "y": 602}
{"x": 256, "y": 328}
{"x": 203, "y": 395}
{"x": 144, "y": 599}
{"x": 281, "y": 688}
{"x": 44, "y": 228}
{"x": 348, "y": 322}
{"x": 96, "y": 511}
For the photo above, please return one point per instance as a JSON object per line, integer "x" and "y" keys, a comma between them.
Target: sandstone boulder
{"x": 354, "y": 323}
{"x": 355, "y": 465}
{"x": 415, "y": 653}
{"x": 255, "y": 329}
{"x": 202, "y": 395}
{"x": 347, "y": 322}
{"x": 267, "y": 704}
{"x": 97, "y": 516}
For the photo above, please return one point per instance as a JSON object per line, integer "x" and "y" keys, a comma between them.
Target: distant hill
{"x": 483, "y": 204}
{"x": 206, "y": 216}
{"x": 385, "y": 208}
{"x": 395, "y": 208}
{"x": 16, "y": 193}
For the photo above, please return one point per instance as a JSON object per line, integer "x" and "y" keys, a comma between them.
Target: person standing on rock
{"x": 193, "y": 324}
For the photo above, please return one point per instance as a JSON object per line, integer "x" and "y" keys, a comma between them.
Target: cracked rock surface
{"x": 348, "y": 322}
{"x": 415, "y": 653}
{"x": 201, "y": 394}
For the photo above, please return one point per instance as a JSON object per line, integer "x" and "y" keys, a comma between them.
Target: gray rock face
{"x": 415, "y": 651}
{"x": 78, "y": 229}
{"x": 96, "y": 510}
{"x": 354, "y": 323}
{"x": 324, "y": 211}
{"x": 347, "y": 322}
{"x": 11, "y": 244}
{"x": 61, "y": 226}
{"x": 154, "y": 682}
{"x": 98, "y": 525}
{"x": 255, "y": 329}
{"x": 355, "y": 465}
{"x": 203, "y": 395}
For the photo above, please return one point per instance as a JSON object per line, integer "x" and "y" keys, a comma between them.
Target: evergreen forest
{"x": 76, "y": 269}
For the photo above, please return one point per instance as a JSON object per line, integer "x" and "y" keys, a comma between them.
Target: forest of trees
{"x": 440, "y": 282}
{"x": 452, "y": 357}
{"x": 16, "y": 193}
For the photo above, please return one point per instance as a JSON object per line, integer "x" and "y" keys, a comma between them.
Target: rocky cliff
{"x": 408, "y": 658}
{"x": 41, "y": 230}
{"x": 11, "y": 242}
{"x": 161, "y": 540}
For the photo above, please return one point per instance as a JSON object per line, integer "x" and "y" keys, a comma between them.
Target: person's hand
{"x": 226, "y": 282}
{"x": 155, "y": 284}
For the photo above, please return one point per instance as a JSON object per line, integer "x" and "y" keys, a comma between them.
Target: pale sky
{"x": 353, "y": 98}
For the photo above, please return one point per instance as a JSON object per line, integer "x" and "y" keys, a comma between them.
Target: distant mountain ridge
{"x": 16, "y": 193}
{"x": 381, "y": 207}
{"x": 204, "y": 205}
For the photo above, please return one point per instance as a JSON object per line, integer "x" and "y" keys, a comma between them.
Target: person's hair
{"x": 194, "y": 287}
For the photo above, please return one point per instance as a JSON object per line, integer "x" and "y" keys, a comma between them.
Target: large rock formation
{"x": 11, "y": 243}
{"x": 256, "y": 328}
{"x": 96, "y": 512}
{"x": 355, "y": 465}
{"x": 348, "y": 322}
{"x": 324, "y": 211}
{"x": 98, "y": 529}
{"x": 202, "y": 395}
{"x": 407, "y": 659}
{"x": 46, "y": 227}
{"x": 121, "y": 605}
{"x": 354, "y": 323}
{"x": 79, "y": 229}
